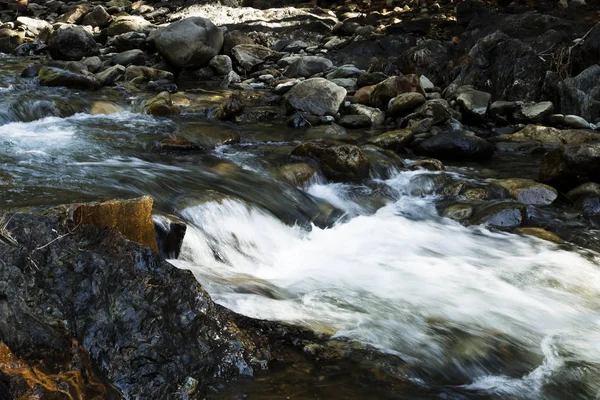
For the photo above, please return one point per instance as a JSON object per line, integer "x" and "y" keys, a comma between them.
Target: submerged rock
{"x": 297, "y": 174}
{"x": 161, "y": 105}
{"x": 501, "y": 214}
{"x": 540, "y": 233}
{"x": 338, "y": 161}
{"x": 568, "y": 166}
{"x": 457, "y": 145}
{"x": 396, "y": 140}
{"x": 528, "y": 191}
{"x": 51, "y": 76}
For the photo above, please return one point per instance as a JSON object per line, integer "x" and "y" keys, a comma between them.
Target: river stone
{"x": 190, "y": 42}
{"x": 111, "y": 75}
{"x": 396, "y": 140}
{"x": 210, "y": 135}
{"x": 33, "y": 25}
{"x": 503, "y": 109}
{"x": 127, "y": 23}
{"x": 316, "y": 96}
{"x": 345, "y": 71}
{"x": 10, "y": 40}
{"x": 230, "y": 108}
{"x": 576, "y": 122}
{"x": 376, "y": 116}
{"x": 534, "y": 112}
{"x": 437, "y": 111}
{"x": 589, "y": 188}
{"x": 250, "y": 56}
{"x": 98, "y": 17}
{"x": 297, "y": 174}
{"x": 93, "y": 64}
{"x": 384, "y": 164}
{"x": 392, "y": 87}
{"x": 569, "y": 166}
{"x": 161, "y": 105}
{"x": 580, "y": 95}
{"x": 170, "y": 232}
{"x": 405, "y": 102}
{"x": 130, "y": 41}
{"x": 75, "y": 15}
{"x": 528, "y": 191}
{"x": 363, "y": 95}
{"x": 474, "y": 103}
{"x": 430, "y": 164}
{"x": 305, "y": 67}
{"x": 141, "y": 74}
{"x": 371, "y": 78}
{"x": 501, "y": 214}
{"x": 221, "y": 64}
{"x": 338, "y": 161}
{"x": 51, "y": 76}
{"x": 458, "y": 211}
{"x": 355, "y": 121}
{"x": 129, "y": 57}
{"x": 539, "y": 233}
{"x": 457, "y": 145}
{"x": 548, "y": 135}
{"x": 72, "y": 43}
{"x": 177, "y": 145}
{"x": 347, "y": 83}
{"x": 105, "y": 108}
{"x": 589, "y": 205}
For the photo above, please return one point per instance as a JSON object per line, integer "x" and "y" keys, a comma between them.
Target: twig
{"x": 58, "y": 238}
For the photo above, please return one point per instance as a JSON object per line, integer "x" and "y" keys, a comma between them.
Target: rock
{"x": 290, "y": 46}
{"x": 130, "y": 41}
{"x": 528, "y": 191}
{"x": 308, "y": 66}
{"x": 430, "y": 164}
{"x": 210, "y": 135}
{"x": 127, "y": 23}
{"x": 75, "y": 15}
{"x": 230, "y": 108}
{"x": 221, "y": 64}
{"x": 93, "y": 64}
{"x": 250, "y": 56}
{"x": 140, "y": 74}
{"x": 405, "y": 102}
{"x": 396, "y": 140}
{"x": 384, "y": 163}
{"x": 284, "y": 87}
{"x": 316, "y": 96}
{"x": 456, "y": 145}
{"x": 437, "y": 111}
{"x": 363, "y": 95}
{"x": 338, "y": 161}
{"x": 370, "y": 79}
{"x": 297, "y": 174}
{"x": 161, "y": 85}
{"x": 534, "y": 112}
{"x": 355, "y": 121}
{"x": 539, "y": 233}
{"x": 104, "y": 107}
{"x": 347, "y": 83}
{"x": 569, "y": 166}
{"x": 376, "y": 116}
{"x": 426, "y": 84}
{"x": 169, "y": 232}
{"x": 474, "y": 103}
{"x": 458, "y": 212}
{"x": 176, "y": 145}
{"x": 190, "y": 42}
{"x": 547, "y": 135}
{"x": 344, "y": 72}
{"x": 129, "y": 57}
{"x": 234, "y": 38}
{"x": 35, "y": 26}
{"x": 72, "y": 43}
{"x": 161, "y": 105}
{"x": 576, "y": 122}
{"x": 111, "y": 75}
{"x": 585, "y": 189}
{"x": 580, "y": 95}
{"x": 10, "y": 40}
{"x": 501, "y": 214}
{"x": 51, "y": 76}
{"x": 503, "y": 110}
{"x": 589, "y": 205}
{"x": 98, "y": 17}
{"x": 392, "y": 87}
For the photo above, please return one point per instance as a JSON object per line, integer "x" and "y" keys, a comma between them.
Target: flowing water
{"x": 472, "y": 313}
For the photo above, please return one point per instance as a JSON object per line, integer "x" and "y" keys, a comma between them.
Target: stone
{"x": 111, "y": 75}
{"x": 51, "y": 76}
{"x": 547, "y": 135}
{"x": 305, "y": 67}
{"x": 580, "y": 95}
{"x": 355, "y": 121}
{"x": 458, "y": 212}
{"x": 430, "y": 164}
{"x": 503, "y": 110}
{"x": 290, "y": 46}
{"x": 105, "y": 108}
{"x": 130, "y": 41}
{"x": 539, "y": 233}
{"x": 534, "y": 112}
{"x": 397, "y": 140}
{"x": 474, "y": 103}
{"x": 384, "y": 164}
{"x": 98, "y": 17}
{"x": 33, "y": 25}
{"x": 190, "y": 42}
{"x": 426, "y": 84}
{"x": 500, "y": 214}
{"x": 569, "y": 166}
{"x": 405, "y": 102}
{"x": 10, "y": 40}
{"x": 129, "y": 57}
{"x": 437, "y": 111}
{"x": 127, "y": 23}
{"x": 161, "y": 105}
{"x": 297, "y": 174}
{"x": 528, "y": 191}
{"x": 249, "y": 56}
{"x": 72, "y": 43}
{"x": 589, "y": 205}
{"x": 576, "y": 122}
{"x": 376, "y": 116}
{"x": 176, "y": 145}
{"x": 347, "y": 83}
{"x": 209, "y": 135}
{"x": 392, "y": 87}
{"x": 585, "y": 189}
{"x": 345, "y": 71}
{"x": 232, "y": 106}
{"x": 316, "y": 96}
{"x": 457, "y": 145}
{"x": 370, "y": 79}
{"x": 93, "y": 64}
{"x": 75, "y": 15}
{"x": 363, "y": 95}
{"x": 221, "y": 64}
{"x": 141, "y": 74}
{"x": 338, "y": 161}
{"x": 169, "y": 232}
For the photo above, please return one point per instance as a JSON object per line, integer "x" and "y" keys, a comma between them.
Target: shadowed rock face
{"x": 68, "y": 293}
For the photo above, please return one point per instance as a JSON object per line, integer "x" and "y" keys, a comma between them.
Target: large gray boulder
{"x": 581, "y": 95}
{"x": 191, "y": 42}
{"x": 72, "y": 43}
{"x": 316, "y": 96}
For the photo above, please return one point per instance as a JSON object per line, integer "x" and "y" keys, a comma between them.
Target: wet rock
{"x": 111, "y": 75}
{"x": 396, "y": 140}
{"x": 338, "y": 161}
{"x": 436, "y": 111}
{"x": 221, "y": 64}
{"x": 474, "y": 103}
{"x": 290, "y": 46}
{"x": 503, "y": 110}
{"x": 345, "y": 72}
{"x": 347, "y": 83}
{"x": 363, "y": 95}
{"x": 98, "y": 17}
{"x": 141, "y": 74}
{"x": 93, "y": 64}
{"x": 539, "y": 233}
{"x": 130, "y": 41}
{"x": 103, "y": 107}
{"x": 33, "y": 25}
{"x": 528, "y": 191}
{"x": 569, "y": 166}
{"x": 383, "y": 163}
{"x": 355, "y": 121}
{"x": 316, "y": 96}
{"x": 230, "y": 108}
{"x": 430, "y": 164}
{"x": 534, "y": 112}
{"x": 371, "y": 78}
{"x": 249, "y": 56}
{"x": 585, "y": 189}
{"x": 75, "y": 15}
{"x": 210, "y": 135}
{"x": 177, "y": 145}
{"x": 376, "y": 116}
{"x": 392, "y": 87}
{"x": 161, "y": 105}
{"x": 458, "y": 211}
{"x": 51, "y": 76}
{"x": 169, "y": 232}
{"x": 297, "y": 174}
{"x": 405, "y": 102}
{"x": 284, "y": 87}
{"x": 129, "y": 57}
{"x": 457, "y": 145}
{"x": 589, "y": 205}
{"x": 305, "y": 67}
{"x": 547, "y": 135}
{"x": 234, "y": 38}
{"x": 72, "y": 43}
{"x": 190, "y": 42}
{"x": 10, "y": 40}
{"x": 302, "y": 120}
{"x": 580, "y": 95}
{"x": 576, "y": 122}
{"x": 127, "y": 23}
{"x": 501, "y": 214}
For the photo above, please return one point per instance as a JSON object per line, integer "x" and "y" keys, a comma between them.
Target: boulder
{"x": 580, "y": 95}
{"x": 528, "y": 191}
{"x": 127, "y": 23}
{"x": 305, "y": 67}
{"x": 250, "y": 56}
{"x": 316, "y": 96}
{"x": 129, "y": 57}
{"x": 169, "y": 232}
{"x": 72, "y": 43}
{"x": 585, "y": 189}
{"x": 534, "y": 112}
{"x": 347, "y": 83}
{"x": 396, "y": 140}
{"x": 384, "y": 91}
{"x": 98, "y": 17}
{"x": 221, "y": 64}
{"x": 569, "y": 166}
{"x": 161, "y": 105}
{"x": 51, "y": 76}
{"x": 437, "y": 111}
{"x": 230, "y": 108}
{"x": 589, "y": 205}
{"x": 363, "y": 95}
{"x": 456, "y": 145}
{"x": 474, "y": 103}
{"x": 500, "y": 214}
{"x": 297, "y": 174}
{"x": 338, "y": 161}
{"x": 405, "y": 102}
{"x": 547, "y": 135}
